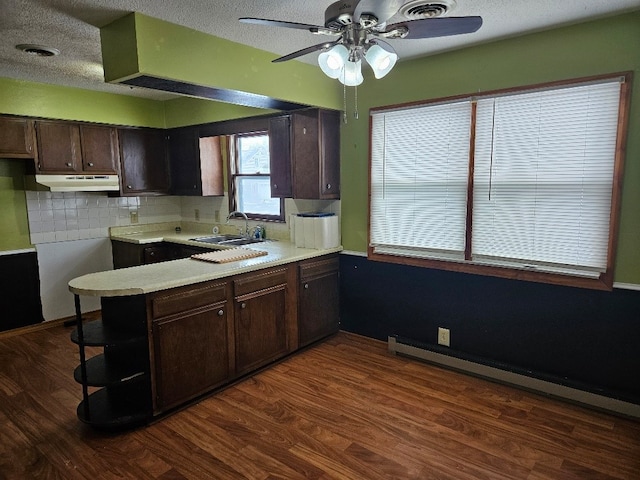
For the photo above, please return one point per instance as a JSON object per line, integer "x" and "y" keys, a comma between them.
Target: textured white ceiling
{"x": 72, "y": 26}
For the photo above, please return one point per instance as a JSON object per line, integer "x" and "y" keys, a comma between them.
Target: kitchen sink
{"x": 217, "y": 238}
{"x": 227, "y": 240}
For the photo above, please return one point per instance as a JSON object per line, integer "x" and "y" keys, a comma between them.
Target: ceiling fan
{"x": 360, "y": 29}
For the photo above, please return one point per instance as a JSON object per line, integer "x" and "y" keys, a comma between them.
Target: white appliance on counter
{"x": 315, "y": 230}
{"x": 60, "y": 262}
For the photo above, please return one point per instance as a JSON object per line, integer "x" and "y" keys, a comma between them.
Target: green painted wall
{"x": 138, "y": 44}
{"x": 604, "y": 46}
{"x": 14, "y": 226}
{"x": 51, "y": 101}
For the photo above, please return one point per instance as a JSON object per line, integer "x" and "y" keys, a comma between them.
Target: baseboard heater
{"x": 407, "y": 348}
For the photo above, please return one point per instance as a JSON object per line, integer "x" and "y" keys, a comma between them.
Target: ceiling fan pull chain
{"x": 344, "y": 103}
{"x": 355, "y": 113}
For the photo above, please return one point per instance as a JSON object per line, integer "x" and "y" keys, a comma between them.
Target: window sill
{"x": 604, "y": 282}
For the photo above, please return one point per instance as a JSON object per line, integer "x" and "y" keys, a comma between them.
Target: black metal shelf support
{"x": 83, "y": 363}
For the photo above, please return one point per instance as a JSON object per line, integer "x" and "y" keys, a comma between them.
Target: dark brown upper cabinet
{"x": 100, "y": 152}
{"x": 305, "y": 154}
{"x": 196, "y": 163}
{"x": 68, "y": 147}
{"x": 143, "y": 162}
{"x": 17, "y": 138}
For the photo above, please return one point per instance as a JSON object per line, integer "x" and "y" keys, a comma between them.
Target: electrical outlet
{"x": 216, "y": 216}
{"x": 196, "y": 213}
{"x": 133, "y": 216}
{"x": 444, "y": 336}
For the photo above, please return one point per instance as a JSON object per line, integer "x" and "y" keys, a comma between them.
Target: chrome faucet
{"x": 246, "y": 220}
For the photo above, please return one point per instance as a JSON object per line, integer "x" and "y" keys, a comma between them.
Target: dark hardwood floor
{"x": 344, "y": 409}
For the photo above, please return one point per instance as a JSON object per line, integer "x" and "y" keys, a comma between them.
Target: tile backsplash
{"x": 62, "y": 216}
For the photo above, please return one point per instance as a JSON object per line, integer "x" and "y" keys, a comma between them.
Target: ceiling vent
{"x": 38, "y": 50}
{"x": 419, "y": 9}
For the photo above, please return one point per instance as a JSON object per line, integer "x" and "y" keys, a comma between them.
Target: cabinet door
{"x": 305, "y": 157}
{"x": 319, "y": 302}
{"x": 99, "y": 149}
{"x": 59, "y": 148}
{"x": 260, "y": 328}
{"x": 158, "y": 253}
{"x": 191, "y": 355}
{"x": 143, "y": 158}
{"x": 127, "y": 254}
{"x": 17, "y": 138}
{"x": 262, "y": 318}
{"x": 329, "y": 154}
{"x": 211, "y": 171}
{"x": 280, "y": 157}
{"x": 184, "y": 160}
{"x": 316, "y": 154}
{"x": 196, "y": 163}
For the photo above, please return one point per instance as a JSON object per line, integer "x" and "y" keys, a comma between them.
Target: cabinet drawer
{"x": 316, "y": 268}
{"x": 187, "y": 298}
{"x": 259, "y": 281}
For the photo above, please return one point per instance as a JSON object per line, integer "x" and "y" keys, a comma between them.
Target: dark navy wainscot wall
{"x": 582, "y": 338}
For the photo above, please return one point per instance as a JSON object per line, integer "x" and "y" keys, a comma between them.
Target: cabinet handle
{"x": 328, "y": 186}
{"x": 129, "y": 187}
{"x": 243, "y": 305}
{"x": 68, "y": 164}
{"x": 275, "y": 186}
{"x": 195, "y": 187}
{"x": 90, "y": 164}
{"x": 220, "y": 313}
{"x": 306, "y": 286}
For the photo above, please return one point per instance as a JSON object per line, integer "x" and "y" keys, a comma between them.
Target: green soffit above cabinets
{"x": 142, "y": 51}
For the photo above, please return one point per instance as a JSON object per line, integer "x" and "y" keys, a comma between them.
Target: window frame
{"x": 233, "y": 167}
{"x": 605, "y": 279}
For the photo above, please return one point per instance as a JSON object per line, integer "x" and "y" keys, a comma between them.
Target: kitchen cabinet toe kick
{"x": 162, "y": 350}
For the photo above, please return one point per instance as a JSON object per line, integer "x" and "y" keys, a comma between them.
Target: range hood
{"x": 74, "y": 183}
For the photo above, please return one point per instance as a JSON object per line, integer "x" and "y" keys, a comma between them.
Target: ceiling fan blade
{"x": 438, "y": 27}
{"x": 305, "y": 51}
{"x": 383, "y": 10}
{"x": 298, "y": 26}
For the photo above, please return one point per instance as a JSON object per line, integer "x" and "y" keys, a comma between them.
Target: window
{"x": 520, "y": 184}
{"x": 249, "y": 177}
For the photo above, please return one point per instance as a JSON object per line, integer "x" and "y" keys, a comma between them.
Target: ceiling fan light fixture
{"x": 352, "y": 74}
{"x": 332, "y": 61}
{"x": 380, "y": 60}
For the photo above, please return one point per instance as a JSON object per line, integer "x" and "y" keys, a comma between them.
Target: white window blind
{"x": 543, "y": 178}
{"x": 544, "y": 162}
{"x": 419, "y": 171}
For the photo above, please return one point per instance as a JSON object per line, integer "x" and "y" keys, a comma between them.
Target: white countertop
{"x": 177, "y": 273}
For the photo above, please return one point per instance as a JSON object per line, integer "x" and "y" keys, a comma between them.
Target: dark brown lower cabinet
{"x": 318, "y": 299}
{"x": 190, "y": 342}
{"x": 126, "y": 254}
{"x": 200, "y": 337}
{"x": 261, "y": 320}
{"x": 191, "y": 355}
